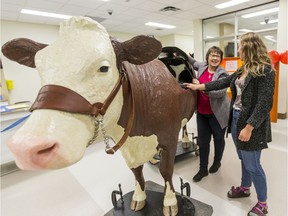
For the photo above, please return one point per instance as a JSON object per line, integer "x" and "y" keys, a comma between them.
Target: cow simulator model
{"x": 95, "y": 83}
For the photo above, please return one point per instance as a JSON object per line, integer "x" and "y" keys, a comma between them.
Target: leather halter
{"x": 64, "y": 99}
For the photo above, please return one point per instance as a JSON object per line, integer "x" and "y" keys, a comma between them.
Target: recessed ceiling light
{"x": 230, "y": 3}
{"x": 46, "y": 14}
{"x": 160, "y": 25}
{"x": 272, "y": 10}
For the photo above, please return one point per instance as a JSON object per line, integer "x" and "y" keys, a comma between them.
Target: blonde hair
{"x": 254, "y": 54}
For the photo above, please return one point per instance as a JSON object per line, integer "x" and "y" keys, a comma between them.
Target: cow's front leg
{"x": 170, "y": 207}
{"x": 139, "y": 197}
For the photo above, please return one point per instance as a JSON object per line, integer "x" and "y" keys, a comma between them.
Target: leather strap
{"x": 64, "y": 99}
{"x": 128, "y": 127}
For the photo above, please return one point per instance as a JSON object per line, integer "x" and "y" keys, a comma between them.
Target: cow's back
{"x": 160, "y": 102}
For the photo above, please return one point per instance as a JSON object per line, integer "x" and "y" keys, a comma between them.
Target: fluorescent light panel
{"x": 230, "y": 3}
{"x": 45, "y": 14}
{"x": 160, "y": 25}
{"x": 259, "y": 13}
{"x": 269, "y": 37}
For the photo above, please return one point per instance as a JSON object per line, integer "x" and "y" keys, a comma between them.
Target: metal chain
{"x": 96, "y": 131}
{"x": 99, "y": 123}
{"x": 106, "y": 138}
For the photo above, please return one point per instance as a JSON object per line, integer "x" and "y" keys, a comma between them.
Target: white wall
{"x": 26, "y": 80}
{"x": 122, "y": 36}
{"x": 185, "y": 43}
{"x": 168, "y": 40}
{"x": 198, "y": 41}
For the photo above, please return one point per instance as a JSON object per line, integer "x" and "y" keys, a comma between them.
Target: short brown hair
{"x": 214, "y": 49}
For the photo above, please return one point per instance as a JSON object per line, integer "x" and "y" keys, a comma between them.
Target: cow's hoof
{"x": 137, "y": 205}
{"x": 170, "y": 210}
{"x": 154, "y": 161}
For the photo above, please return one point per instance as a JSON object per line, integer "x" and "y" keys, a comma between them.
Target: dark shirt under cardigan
{"x": 257, "y": 101}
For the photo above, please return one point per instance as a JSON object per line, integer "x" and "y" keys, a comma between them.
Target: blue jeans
{"x": 207, "y": 126}
{"x": 250, "y": 164}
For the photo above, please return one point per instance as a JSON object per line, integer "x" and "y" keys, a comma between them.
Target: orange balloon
{"x": 274, "y": 55}
{"x": 284, "y": 57}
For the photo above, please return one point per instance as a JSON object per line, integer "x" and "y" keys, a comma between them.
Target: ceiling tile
{"x": 129, "y": 15}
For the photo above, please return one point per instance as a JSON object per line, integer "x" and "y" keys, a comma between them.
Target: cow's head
{"x": 83, "y": 60}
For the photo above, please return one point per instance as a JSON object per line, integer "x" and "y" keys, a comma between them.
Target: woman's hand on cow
{"x": 195, "y": 87}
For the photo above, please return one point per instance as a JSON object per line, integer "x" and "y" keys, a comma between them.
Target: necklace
{"x": 211, "y": 73}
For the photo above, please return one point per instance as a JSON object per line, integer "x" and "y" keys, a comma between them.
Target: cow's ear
{"x": 22, "y": 50}
{"x": 141, "y": 49}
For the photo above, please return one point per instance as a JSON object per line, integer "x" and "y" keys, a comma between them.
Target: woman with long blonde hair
{"x": 252, "y": 88}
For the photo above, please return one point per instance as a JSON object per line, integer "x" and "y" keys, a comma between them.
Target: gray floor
{"x": 84, "y": 189}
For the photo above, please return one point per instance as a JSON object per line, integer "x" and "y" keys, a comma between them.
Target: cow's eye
{"x": 103, "y": 69}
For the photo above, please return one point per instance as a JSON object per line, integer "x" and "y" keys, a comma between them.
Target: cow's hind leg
{"x": 185, "y": 139}
{"x": 170, "y": 207}
{"x": 139, "y": 197}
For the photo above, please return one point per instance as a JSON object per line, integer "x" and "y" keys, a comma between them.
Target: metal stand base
{"x": 154, "y": 205}
{"x": 187, "y": 206}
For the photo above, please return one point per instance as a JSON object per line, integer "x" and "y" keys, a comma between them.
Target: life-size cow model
{"x": 92, "y": 84}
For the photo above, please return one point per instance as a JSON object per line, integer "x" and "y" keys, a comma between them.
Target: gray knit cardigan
{"x": 257, "y": 101}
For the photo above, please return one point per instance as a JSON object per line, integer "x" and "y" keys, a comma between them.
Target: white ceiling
{"x": 128, "y": 16}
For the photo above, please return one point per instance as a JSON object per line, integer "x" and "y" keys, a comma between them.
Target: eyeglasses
{"x": 215, "y": 56}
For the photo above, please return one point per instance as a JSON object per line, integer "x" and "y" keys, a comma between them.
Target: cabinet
{"x": 8, "y": 118}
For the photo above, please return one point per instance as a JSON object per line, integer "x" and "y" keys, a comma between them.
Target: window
{"x": 223, "y": 30}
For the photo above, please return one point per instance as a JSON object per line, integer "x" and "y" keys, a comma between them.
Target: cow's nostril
{"x": 46, "y": 150}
